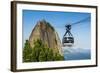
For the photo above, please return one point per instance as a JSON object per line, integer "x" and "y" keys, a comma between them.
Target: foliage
{"x": 39, "y": 53}
{"x": 27, "y": 52}
{"x": 49, "y": 25}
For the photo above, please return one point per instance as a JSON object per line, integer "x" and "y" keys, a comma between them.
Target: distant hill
{"x": 45, "y": 32}
{"x": 76, "y": 53}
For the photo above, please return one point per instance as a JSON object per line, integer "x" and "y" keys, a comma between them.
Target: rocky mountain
{"x": 45, "y": 32}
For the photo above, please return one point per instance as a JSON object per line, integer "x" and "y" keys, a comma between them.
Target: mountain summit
{"x": 45, "y": 32}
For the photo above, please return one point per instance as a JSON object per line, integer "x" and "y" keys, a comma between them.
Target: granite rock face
{"x": 45, "y": 32}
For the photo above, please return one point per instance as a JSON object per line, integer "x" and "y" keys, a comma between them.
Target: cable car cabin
{"x": 68, "y": 41}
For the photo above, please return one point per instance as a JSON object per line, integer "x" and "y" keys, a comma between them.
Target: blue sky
{"x": 81, "y": 31}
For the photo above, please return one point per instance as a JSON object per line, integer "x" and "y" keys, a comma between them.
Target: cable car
{"x": 68, "y": 41}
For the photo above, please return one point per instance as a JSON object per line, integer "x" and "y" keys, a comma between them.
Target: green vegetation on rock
{"x": 49, "y": 25}
{"x": 27, "y": 52}
{"x": 39, "y": 53}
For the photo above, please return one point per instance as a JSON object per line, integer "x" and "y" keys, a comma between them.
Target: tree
{"x": 49, "y": 54}
{"x": 38, "y": 45}
{"x": 39, "y": 53}
{"x": 42, "y": 56}
{"x": 27, "y": 52}
{"x": 58, "y": 57}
